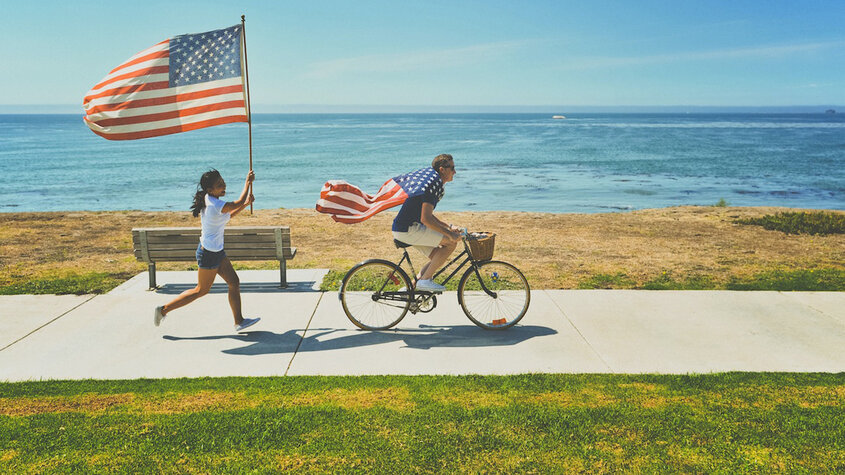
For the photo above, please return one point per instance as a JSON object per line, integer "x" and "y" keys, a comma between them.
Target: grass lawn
{"x": 687, "y": 247}
{"x": 729, "y": 423}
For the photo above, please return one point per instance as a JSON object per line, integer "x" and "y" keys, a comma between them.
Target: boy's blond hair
{"x": 441, "y": 160}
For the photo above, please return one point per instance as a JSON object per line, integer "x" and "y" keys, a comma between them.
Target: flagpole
{"x": 248, "y": 104}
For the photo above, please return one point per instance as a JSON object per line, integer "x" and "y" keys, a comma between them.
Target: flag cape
{"x": 184, "y": 83}
{"x": 348, "y": 204}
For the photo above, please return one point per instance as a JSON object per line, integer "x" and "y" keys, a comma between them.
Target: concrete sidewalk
{"x": 304, "y": 332}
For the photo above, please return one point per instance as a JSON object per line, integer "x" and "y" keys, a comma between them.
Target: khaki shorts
{"x": 420, "y": 238}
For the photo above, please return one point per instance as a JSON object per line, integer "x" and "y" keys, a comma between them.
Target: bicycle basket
{"x": 481, "y": 245}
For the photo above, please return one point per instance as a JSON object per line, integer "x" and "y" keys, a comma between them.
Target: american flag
{"x": 184, "y": 83}
{"x": 348, "y": 204}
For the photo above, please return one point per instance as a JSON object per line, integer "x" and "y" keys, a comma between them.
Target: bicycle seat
{"x": 400, "y": 244}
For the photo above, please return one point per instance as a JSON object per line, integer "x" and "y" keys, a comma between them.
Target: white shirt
{"x": 213, "y": 221}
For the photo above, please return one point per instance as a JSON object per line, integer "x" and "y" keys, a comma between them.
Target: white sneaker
{"x": 248, "y": 322}
{"x": 430, "y": 286}
{"x": 158, "y": 317}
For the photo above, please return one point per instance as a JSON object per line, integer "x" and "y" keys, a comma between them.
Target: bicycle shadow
{"x": 423, "y": 338}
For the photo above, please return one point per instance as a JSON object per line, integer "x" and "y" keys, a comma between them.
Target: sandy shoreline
{"x": 553, "y": 250}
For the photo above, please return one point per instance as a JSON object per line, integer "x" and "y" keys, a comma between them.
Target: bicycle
{"x": 377, "y": 294}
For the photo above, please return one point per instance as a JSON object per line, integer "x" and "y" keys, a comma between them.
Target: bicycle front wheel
{"x": 496, "y": 301}
{"x": 373, "y": 296}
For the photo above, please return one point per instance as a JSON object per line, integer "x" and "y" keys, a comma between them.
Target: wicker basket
{"x": 481, "y": 248}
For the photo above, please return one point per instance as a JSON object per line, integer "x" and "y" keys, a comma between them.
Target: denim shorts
{"x": 209, "y": 259}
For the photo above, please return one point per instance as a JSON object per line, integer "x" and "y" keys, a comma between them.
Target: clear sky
{"x": 454, "y": 52}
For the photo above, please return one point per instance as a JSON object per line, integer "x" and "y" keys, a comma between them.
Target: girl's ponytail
{"x": 207, "y": 181}
{"x": 199, "y": 203}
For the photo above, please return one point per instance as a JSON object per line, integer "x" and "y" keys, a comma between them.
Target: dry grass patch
{"x": 588, "y": 397}
{"x": 180, "y": 403}
{"x": 472, "y": 399}
{"x": 396, "y": 398}
{"x": 685, "y": 456}
{"x": 87, "y": 403}
{"x": 643, "y": 387}
{"x": 769, "y": 397}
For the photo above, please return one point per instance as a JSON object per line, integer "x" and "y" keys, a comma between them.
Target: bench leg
{"x": 152, "y": 272}
{"x": 283, "y": 271}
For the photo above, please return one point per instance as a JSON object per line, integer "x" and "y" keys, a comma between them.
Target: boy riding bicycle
{"x": 417, "y": 225}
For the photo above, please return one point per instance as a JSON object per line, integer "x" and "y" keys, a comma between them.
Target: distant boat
{"x": 830, "y": 111}
{"x": 558, "y": 117}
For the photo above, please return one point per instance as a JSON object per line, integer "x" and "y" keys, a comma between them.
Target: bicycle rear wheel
{"x": 372, "y": 294}
{"x": 499, "y": 300}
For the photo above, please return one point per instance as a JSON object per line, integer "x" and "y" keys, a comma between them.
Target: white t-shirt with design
{"x": 213, "y": 221}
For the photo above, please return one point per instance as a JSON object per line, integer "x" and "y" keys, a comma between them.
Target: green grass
{"x": 828, "y": 279}
{"x": 805, "y": 280}
{"x": 666, "y": 281}
{"x": 728, "y": 423}
{"x": 90, "y": 283}
{"x": 819, "y": 222}
{"x": 332, "y": 280}
{"x": 607, "y": 281}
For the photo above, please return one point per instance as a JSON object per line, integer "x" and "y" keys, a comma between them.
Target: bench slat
{"x": 228, "y": 230}
{"x": 197, "y": 233}
{"x": 234, "y": 254}
{"x": 192, "y": 246}
{"x": 267, "y": 254}
{"x": 160, "y": 240}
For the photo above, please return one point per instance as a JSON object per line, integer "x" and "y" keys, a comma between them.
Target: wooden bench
{"x": 242, "y": 243}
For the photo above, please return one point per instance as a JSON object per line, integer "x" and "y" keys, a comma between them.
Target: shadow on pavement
{"x": 246, "y": 288}
{"x": 424, "y": 338}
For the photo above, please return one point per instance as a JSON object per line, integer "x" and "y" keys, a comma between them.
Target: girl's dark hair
{"x": 207, "y": 181}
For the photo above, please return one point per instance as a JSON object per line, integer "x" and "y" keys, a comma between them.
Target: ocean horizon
{"x": 587, "y": 162}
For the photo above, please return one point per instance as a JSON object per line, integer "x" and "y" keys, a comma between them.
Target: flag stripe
{"x": 223, "y": 86}
{"x": 348, "y": 204}
{"x": 135, "y": 74}
{"x": 161, "y": 104}
{"x": 144, "y": 86}
{"x": 166, "y": 123}
{"x": 168, "y": 130}
{"x": 357, "y": 218}
{"x": 177, "y": 112}
{"x": 162, "y": 46}
{"x": 145, "y": 96}
{"x": 141, "y": 59}
{"x": 127, "y": 73}
{"x": 353, "y": 202}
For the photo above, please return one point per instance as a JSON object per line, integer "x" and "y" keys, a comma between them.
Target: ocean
{"x": 586, "y": 163}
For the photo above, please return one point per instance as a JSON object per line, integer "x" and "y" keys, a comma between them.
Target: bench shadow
{"x": 423, "y": 338}
{"x": 246, "y": 288}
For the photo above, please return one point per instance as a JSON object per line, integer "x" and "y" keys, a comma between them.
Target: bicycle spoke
{"x": 362, "y": 295}
{"x": 512, "y": 295}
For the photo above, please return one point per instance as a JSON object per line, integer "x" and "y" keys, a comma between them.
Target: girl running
{"x": 214, "y": 213}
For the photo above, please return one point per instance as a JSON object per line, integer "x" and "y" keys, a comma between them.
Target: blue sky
{"x": 454, "y": 53}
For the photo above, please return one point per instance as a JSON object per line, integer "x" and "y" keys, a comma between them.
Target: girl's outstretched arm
{"x": 249, "y": 199}
{"x": 239, "y": 203}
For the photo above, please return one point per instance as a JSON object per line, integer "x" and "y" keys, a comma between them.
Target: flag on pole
{"x": 184, "y": 83}
{"x": 348, "y": 204}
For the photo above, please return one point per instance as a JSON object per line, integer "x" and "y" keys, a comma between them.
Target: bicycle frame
{"x": 467, "y": 259}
